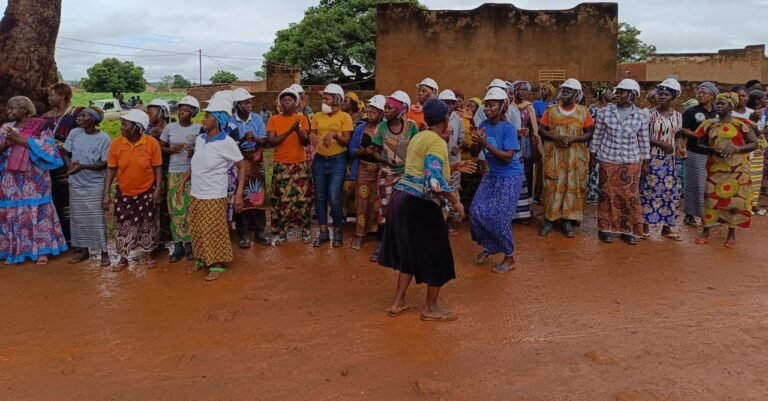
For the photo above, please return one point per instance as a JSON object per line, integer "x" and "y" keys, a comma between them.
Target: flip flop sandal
{"x": 77, "y": 258}
{"x": 120, "y": 266}
{"x": 214, "y": 273}
{"x": 702, "y": 241}
{"x": 673, "y": 236}
{"x": 406, "y": 309}
{"x": 482, "y": 257}
{"x": 645, "y": 235}
{"x": 503, "y": 269}
{"x": 730, "y": 244}
{"x": 42, "y": 261}
{"x": 105, "y": 262}
{"x": 244, "y": 244}
{"x": 448, "y": 317}
{"x": 761, "y": 212}
{"x": 197, "y": 266}
{"x": 150, "y": 264}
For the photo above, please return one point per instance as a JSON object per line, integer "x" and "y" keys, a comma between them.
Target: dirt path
{"x": 578, "y": 320}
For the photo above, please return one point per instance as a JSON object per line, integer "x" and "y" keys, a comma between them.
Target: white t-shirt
{"x": 175, "y": 134}
{"x": 747, "y": 112}
{"x": 210, "y": 163}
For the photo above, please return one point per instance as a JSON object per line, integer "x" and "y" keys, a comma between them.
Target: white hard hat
{"x": 190, "y": 101}
{"x": 498, "y": 83}
{"x": 290, "y": 92}
{"x": 220, "y": 104}
{"x": 296, "y": 88}
{"x": 225, "y": 95}
{"x": 571, "y": 83}
{"x": 240, "y": 94}
{"x": 162, "y": 104}
{"x": 670, "y": 83}
{"x": 630, "y": 85}
{"x": 333, "y": 89}
{"x": 496, "y": 93}
{"x": 430, "y": 83}
{"x": 378, "y": 102}
{"x": 447, "y": 95}
{"x": 402, "y": 97}
{"x": 137, "y": 117}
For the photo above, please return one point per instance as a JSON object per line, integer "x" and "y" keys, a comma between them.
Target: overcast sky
{"x": 246, "y": 29}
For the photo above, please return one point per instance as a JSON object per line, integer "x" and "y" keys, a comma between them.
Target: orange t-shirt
{"x": 418, "y": 118}
{"x": 134, "y": 163}
{"x": 290, "y": 150}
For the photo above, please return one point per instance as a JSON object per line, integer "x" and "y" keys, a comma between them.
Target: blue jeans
{"x": 328, "y": 173}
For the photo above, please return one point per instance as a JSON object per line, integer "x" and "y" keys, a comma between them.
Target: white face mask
{"x": 326, "y": 109}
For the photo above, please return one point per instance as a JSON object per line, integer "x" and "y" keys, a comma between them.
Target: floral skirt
{"x": 178, "y": 208}
{"x": 291, "y": 197}
{"x": 28, "y": 231}
{"x": 660, "y": 191}
{"x": 367, "y": 205}
{"x": 619, "y": 209}
{"x": 492, "y": 212}
{"x": 136, "y": 222}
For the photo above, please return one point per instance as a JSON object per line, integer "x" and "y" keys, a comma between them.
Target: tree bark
{"x": 28, "y": 34}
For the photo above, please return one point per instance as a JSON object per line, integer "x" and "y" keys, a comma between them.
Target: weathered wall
{"x": 280, "y": 77}
{"x": 734, "y": 66}
{"x": 634, "y": 71}
{"x": 466, "y": 49}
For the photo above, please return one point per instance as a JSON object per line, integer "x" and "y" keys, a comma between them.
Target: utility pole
{"x": 200, "y": 64}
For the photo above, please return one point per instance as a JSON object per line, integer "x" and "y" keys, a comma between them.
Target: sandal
{"x": 121, "y": 264}
{"x": 214, "y": 273}
{"x": 357, "y": 243}
{"x": 78, "y": 257}
{"x": 42, "y": 261}
{"x": 482, "y": 257}
{"x": 447, "y": 317}
{"x": 452, "y": 232}
{"x": 761, "y": 212}
{"x": 730, "y": 244}
{"x": 404, "y": 310}
{"x": 150, "y": 263}
{"x": 244, "y": 243}
{"x": 702, "y": 241}
{"x": 673, "y": 236}
{"x": 199, "y": 265}
{"x": 500, "y": 268}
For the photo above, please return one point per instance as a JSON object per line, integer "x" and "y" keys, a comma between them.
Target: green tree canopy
{"x": 631, "y": 48}
{"x": 223, "y": 77}
{"x": 334, "y": 38}
{"x": 112, "y": 75}
{"x": 180, "y": 82}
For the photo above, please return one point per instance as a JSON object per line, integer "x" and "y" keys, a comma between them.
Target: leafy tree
{"x": 223, "y": 77}
{"x": 335, "y": 37}
{"x": 60, "y": 76}
{"x": 165, "y": 82}
{"x": 111, "y": 75}
{"x": 260, "y": 75}
{"x": 631, "y": 48}
{"x": 180, "y": 82}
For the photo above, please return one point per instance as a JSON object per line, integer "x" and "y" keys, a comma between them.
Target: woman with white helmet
{"x": 159, "y": 112}
{"x": 178, "y": 141}
{"x": 391, "y": 138}
{"x": 365, "y": 171}
{"x": 215, "y": 153}
{"x": 494, "y": 205}
{"x": 659, "y": 185}
{"x": 288, "y": 132}
{"x": 251, "y": 138}
{"x": 135, "y": 160}
{"x": 455, "y": 144}
{"x": 331, "y": 131}
{"x": 566, "y": 128}
{"x": 621, "y": 143}
{"x": 425, "y": 90}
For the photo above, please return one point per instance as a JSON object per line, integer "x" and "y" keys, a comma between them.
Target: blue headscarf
{"x": 96, "y": 113}
{"x": 223, "y": 119}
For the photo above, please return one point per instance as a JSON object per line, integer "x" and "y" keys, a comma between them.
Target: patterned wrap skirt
{"x": 87, "y": 219}
{"x": 367, "y": 205}
{"x": 492, "y": 212}
{"x": 136, "y": 222}
{"x": 660, "y": 191}
{"x": 291, "y": 197}
{"x": 728, "y": 192}
{"x": 178, "y": 208}
{"x": 387, "y": 181}
{"x": 619, "y": 209}
{"x": 210, "y": 232}
{"x": 523, "y": 207}
{"x": 756, "y": 165}
{"x": 415, "y": 240}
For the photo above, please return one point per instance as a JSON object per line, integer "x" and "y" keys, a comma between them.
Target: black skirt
{"x": 416, "y": 240}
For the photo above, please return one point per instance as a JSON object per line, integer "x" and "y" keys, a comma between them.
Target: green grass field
{"x": 82, "y": 98}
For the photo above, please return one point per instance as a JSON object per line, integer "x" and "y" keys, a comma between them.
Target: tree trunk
{"x": 28, "y": 34}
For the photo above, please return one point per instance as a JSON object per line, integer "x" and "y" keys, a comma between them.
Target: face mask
{"x": 326, "y": 109}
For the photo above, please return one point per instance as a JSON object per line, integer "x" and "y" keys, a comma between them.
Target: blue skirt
{"x": 492, "y": 211}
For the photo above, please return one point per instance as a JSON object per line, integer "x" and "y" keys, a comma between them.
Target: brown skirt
{"x": 367, "y": 205}
{"x": 619, "y": 209}
{"x": 210, "y": 234}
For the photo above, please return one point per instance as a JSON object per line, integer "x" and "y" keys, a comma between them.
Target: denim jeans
{"x": 328, "y": 174}
{"x": 251, "y": 220}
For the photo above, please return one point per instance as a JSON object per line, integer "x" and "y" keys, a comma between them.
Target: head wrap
{"x": 731, "y": 97}
{"x": 651, "y": 93}
{"x": 435, "y": 111}
{"x": 524, "y": 84}
{"x": 396, "y": 104}
{"x": 549, "y": 86}
{"x": 689, "y": 103}
{"x": 96, "y": 113}
{"x": 223, "y": 119}
{"x": 710, "y": 87}
{"x": 477, "y": 101}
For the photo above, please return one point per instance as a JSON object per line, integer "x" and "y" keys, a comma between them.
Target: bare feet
{"x": 437, "y": 314}
{"x": 702, "y": 240}
{"x": 506, "y": 265}
{"x": 397, "y": 310}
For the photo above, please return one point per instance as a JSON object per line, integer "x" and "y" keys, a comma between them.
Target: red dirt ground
{"x": 577, "y": 320}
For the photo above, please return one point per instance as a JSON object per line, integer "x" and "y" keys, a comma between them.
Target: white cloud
{"x": 247, "y": 29}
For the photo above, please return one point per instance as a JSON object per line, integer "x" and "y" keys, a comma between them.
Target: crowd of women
{"x": 413, "y": 167}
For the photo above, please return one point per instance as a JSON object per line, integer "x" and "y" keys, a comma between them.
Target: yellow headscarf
{"x": 477, "y": 101}
{"x": 360, "y": 104}
{"x": 549, "y": 86}
{"x": 731, "y": 97}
